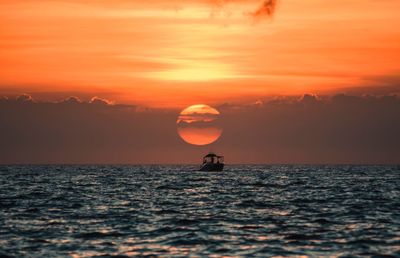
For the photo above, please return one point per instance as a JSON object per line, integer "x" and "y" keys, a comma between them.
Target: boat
{"x": 212, "y": 162}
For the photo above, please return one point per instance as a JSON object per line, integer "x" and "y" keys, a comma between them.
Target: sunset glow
{"x": 173, "y": 53}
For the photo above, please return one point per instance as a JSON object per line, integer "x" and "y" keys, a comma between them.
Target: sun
{"x": 199, "y": 125}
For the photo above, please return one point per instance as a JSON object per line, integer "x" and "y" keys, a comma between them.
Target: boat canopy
{"x": 213, "y": 158}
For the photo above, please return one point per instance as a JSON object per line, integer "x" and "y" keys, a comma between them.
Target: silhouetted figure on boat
{"x": 212, "y": 162}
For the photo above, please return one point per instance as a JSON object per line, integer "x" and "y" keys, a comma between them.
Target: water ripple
{"x": 164, "y": 211}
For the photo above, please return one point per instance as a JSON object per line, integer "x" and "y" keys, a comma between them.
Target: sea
{"x": 176, "y": 211}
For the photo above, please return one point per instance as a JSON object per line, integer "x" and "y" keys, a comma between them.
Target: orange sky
{"x": 176, "y": 53}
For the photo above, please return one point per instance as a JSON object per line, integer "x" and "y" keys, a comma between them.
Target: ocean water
{"x": 174, "y": 211}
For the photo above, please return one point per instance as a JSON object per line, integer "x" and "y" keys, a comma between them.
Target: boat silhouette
{"x": 212, "y": 162}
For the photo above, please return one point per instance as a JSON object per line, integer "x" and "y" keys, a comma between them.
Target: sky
{"x": 175, "y": 53}
{"x": 295, "y": 81}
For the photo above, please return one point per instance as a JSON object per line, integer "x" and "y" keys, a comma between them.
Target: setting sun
{"x": 199, "y": 125}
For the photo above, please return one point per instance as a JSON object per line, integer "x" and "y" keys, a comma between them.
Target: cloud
{"x": 100, "y": 101}
{"x": 266, "y": 9}
{"x": 338, "y": 129}
{"x": 72, "y": 100}
{"x": 310, "y": 129}
{"x": 261, "y": 8}
{"x": 25, "y": 98}
{"x": 309, "y": 99}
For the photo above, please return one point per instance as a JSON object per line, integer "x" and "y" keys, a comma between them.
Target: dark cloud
{"x": 72, "y": 100}
{"x": 311, "y": 129}
{"x": 266, "y": 9}
{"x": 25, "y": 98}
{"x": 200, "y": 124}
{"x": 340, "y": 129}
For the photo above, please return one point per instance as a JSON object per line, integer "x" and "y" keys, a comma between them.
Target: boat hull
{"x": 210, "y": 167}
